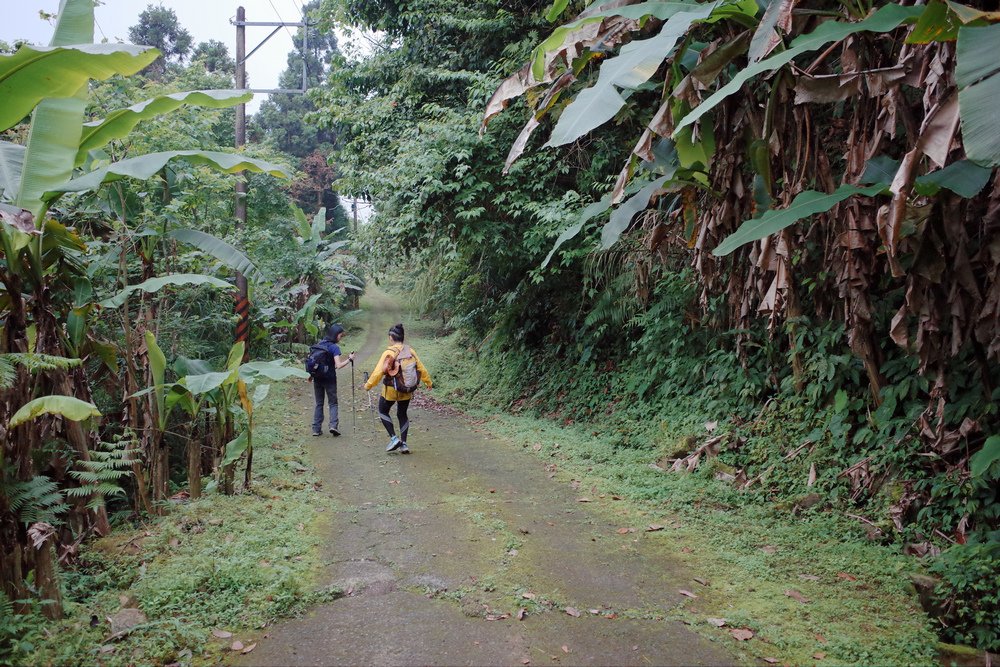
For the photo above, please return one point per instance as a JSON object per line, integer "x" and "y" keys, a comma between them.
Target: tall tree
{"x": 158, "y": 27}
{"x": 214, "y": 56}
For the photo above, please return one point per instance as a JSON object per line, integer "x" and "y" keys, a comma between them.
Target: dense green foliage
{"x": 112, "y": 230}
{"x": 201, "y": 568}
{"x": 829, "y": 360}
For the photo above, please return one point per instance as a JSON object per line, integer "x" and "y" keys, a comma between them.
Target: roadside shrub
{"x": 968, "y": 595}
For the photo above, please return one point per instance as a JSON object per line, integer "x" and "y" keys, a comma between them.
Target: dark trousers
{"x": 383, "y": 413}
{"x": 328, "y": 389}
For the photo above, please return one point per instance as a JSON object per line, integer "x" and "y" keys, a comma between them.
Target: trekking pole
{"x": 354, "y": 402}
{"x": 371, "y": 408}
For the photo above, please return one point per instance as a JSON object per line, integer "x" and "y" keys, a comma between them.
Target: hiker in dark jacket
{"x": 323, "y": 375}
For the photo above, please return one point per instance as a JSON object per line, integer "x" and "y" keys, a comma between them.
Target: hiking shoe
{"x": 403, "y": 449}
{"x": 335, "y": 432}
{"x": 394, "y": 444}
{"x": 317, "y": 433}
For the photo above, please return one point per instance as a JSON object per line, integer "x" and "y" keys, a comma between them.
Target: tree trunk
{"x": 227, "y": 473}
{"x": 194, "y": 464}
{"x": 47, "y": 580}
{"x": 246, "y": 475}
{"x": 11, "y": 562}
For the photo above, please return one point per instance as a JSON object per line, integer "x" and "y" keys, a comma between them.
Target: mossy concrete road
{"x": 467, "y": 552}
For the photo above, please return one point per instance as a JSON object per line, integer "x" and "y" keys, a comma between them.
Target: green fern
{"x": 34, "y": 363}
{"x": 101, "y": 476}
{"x": 37, "y": 499}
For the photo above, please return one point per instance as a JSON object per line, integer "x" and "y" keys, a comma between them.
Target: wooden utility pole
{"x": 242, "y": 301}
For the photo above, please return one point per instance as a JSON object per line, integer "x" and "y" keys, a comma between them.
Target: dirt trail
{"x": 434, "y": 548}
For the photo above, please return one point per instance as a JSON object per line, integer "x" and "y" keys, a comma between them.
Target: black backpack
{"x": 319, "y": 363}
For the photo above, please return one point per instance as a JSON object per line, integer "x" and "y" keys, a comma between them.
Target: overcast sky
{"x": 204, "y": 19}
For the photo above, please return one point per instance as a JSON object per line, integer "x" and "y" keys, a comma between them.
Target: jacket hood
{"x": 334, "y": 331}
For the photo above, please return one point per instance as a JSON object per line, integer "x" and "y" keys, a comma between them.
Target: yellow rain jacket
{"x": 389, "y": 393}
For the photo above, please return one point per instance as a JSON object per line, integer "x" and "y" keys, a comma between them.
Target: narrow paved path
{"x": 438, "y": 551}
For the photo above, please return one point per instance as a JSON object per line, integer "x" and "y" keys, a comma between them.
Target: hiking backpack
{"x": 319, "y": 364}
{"x": 400, "y": 371}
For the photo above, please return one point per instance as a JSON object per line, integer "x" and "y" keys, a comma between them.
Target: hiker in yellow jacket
{"x": 402, "y": 370}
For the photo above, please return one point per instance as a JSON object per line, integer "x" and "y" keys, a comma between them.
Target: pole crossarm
{"x": 241, "y": 59}
{"x": 267, "y": 24}
{"x": 287, "y": 91}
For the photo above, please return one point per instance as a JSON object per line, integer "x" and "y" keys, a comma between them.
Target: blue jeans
{"x": 327, "y": 388}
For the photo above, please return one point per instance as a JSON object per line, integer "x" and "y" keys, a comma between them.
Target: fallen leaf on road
{"x": 526, "y": 661}
{"x": 237, "y": 645}
{"x": 717, "y": 622}
{"x": 703, "y": 582}
{"x": 528, "y": 596}
{"x": 584, "y": 500}
{"x": 493, "y": 490}
{"x": 771, "y": 661}
{"x": 394, "y": 481}
{"x": 653, "y": 527}
{"x": 521, "y": 613}
{"x": 819, "y": 656}
{"x": 221, "y": 634}
{"x": 572, "y": 611}
{"x": 624, "y": 531}
{"x": 687, "y": 594}
{"x": 795, "y": 595}
{"x": 565, "y": 649}
{"x": 249, "y": 648}
{"x": 741, "y": 634}
{"x": 820, "y": 638}
{"x": 846, "y": 577}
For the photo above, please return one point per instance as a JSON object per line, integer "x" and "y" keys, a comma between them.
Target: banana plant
{"x": 224, "y": 394}
{"x": 42, "y": 257}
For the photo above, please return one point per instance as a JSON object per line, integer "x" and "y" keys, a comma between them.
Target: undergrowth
{"x": 232, "y": 564}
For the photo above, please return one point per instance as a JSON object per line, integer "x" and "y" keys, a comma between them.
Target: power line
{"x": 100, "y": 28}
{"x": 282, "y": 20}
